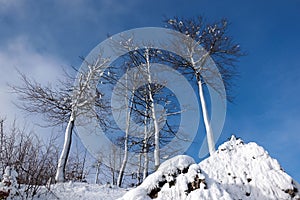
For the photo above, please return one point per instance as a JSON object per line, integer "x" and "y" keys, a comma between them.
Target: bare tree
{"x": 216, "y": 45}
{"x": 65, "y": 104}
{"x": 97, "y": 165}
{"x": 128, "y": 98}
{"x": 34, "y": 160}
{"x": 76, "y": 166}
{"x": 140, "y": 99}
{"x": 83, "y": 99}
{"x": 2, "y": 144}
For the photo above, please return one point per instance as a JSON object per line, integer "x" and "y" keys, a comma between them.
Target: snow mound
{"x": 246, "y": 171}
{"x": 165, "y": 174}
{"x": 235, "y": 171}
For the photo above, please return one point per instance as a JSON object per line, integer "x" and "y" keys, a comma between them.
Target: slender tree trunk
{"x": 97, "y": 172}
{"x": 113, "y": 177}
{"x": 60, "y": 173}
{"x": 153, "y": 114}
{"x": 123, "y": 166}
{"x": 156, "y": 135}
{"x": 146, "y": 165}
{"x": 129, "y": 103}
{"x": 113, "y": 161}
{"x": 209, "y": 132}
{"x": 2, "y": 145}
{"x": 83, "y": 166}
{"x": 139, "y": 170}
{"x": 145, "y": 147}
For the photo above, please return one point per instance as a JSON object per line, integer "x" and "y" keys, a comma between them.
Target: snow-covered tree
{"x": 84, "y": 95}
{"x": 128, "y": 98}
{"x": 144, "y": 93}
{"x": 216, "y": 45}
{"x": 65, "y": 103}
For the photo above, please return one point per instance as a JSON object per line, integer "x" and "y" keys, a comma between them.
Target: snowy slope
{"x": 79, "y": 191}
{"x": 235, "y": 171}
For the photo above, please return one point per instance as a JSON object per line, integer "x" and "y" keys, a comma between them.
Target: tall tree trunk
{"x": 97, "y": 172}
{"x": 83, "y": 166}
{"x": 60, "y": 173}
{"x": 153, "y": 115}
{"x": 129, "y": 103}
{"x": 145, "y": 147}
{"x": 209, "y": 132}
{"x": 139, "y": 176}
{"x": 156, "y": 134}
{"x": 2, "y": 146}
{"x": 146, "y": 164}
{"x": 124, "y": 162}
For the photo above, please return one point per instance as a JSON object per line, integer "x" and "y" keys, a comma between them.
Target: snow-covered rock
{"x": 235, "y": 171}
{"x": 165, "y": 175}
{"x": 246, "y": 171}
{"x": 8, "y": 185}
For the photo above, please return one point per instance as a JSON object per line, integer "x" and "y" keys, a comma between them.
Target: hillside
{"x": 235, "y": 171}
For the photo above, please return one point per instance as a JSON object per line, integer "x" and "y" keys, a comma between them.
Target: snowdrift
{"x": 235, "y": 171}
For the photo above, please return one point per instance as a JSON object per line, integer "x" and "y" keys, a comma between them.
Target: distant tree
{"x": 2, "y": 167}
{"x": 218, "y": 45}
{"x": 97, "y": 166}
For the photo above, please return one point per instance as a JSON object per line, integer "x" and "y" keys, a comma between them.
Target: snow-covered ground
{"x": 80, "y": 191}
{"x": 235, "y": 171}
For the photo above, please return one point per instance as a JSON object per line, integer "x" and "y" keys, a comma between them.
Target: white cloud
{"x": 19, "y": 53}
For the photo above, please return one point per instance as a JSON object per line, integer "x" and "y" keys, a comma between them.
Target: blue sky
{"x": 39, "y": 37}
